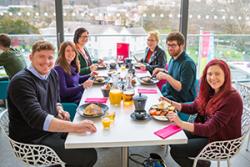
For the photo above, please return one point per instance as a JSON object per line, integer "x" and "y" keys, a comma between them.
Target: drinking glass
{"x": 106, "y": 122}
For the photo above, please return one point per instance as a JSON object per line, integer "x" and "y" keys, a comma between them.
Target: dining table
{"x": 125, "y": 131}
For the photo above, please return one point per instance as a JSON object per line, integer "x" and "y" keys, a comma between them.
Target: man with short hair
{"x": 35, "y": 114}
{"x": 181, "y": 74}
{"x": 11, "y": 59}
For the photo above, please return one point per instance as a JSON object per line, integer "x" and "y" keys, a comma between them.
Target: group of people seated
{"x": 35, "y": 94}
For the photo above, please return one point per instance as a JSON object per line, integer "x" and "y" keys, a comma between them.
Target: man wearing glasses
{"x": 181, "y": 73}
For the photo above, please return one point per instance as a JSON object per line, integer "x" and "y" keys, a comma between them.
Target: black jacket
{"x": 158, "y": 59}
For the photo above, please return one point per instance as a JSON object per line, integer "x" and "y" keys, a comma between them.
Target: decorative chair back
{"x": 224, "y": 150}
{"x": 244, "y": 90}
{"x": 30, "y": 154}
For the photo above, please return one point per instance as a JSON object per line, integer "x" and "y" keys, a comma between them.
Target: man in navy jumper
{"x": 181, "y": 73}
{"x": 35, "y": 114}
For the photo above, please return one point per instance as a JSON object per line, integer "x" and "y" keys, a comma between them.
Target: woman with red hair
{"x": 218, "y": 108}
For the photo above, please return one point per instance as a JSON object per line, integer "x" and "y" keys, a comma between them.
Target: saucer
{"x": 146, "y": 117}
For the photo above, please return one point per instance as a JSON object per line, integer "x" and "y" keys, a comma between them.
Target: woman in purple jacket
{"x": 72, "y": 84}
{"x": 218, "y": 108}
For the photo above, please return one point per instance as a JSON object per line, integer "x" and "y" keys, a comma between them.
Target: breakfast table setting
{"x": 126, "y": 116}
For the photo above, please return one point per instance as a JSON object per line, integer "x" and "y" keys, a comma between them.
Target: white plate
{"x": 160, "y": 118}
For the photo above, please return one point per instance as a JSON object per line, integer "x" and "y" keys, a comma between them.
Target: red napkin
{"x": 147, "y": 91}
{"x": 167, "y": 131}
{"x": 140, "y": 71}
{"x": 96, "y": 100}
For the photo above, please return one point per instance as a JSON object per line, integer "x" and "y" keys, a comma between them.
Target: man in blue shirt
{"x": 35, "y": 113}
{"x": 181, "y": 75}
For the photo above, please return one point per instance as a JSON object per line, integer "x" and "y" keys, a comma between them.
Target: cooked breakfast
{"x": 146, "y": 79}
{"x": 92, "y": 110}
{"x": 101, "y": 66}
{"x": 99, "y": 79}
{"x": 163, "y": 105}
{"x": 111, "y": 72}
{"x": 161, "y": 109}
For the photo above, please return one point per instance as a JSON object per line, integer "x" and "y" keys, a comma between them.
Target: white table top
{"x": 125, "y": 132}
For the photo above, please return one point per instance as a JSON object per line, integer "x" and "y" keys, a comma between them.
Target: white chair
{"x": 244, "y": 90}
{"x": 30, "y": 154}
{"x": 248, "y": 142}
{"x": 225, "y": 150}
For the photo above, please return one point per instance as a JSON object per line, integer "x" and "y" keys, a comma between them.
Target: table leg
{"x": 124, "y": 156}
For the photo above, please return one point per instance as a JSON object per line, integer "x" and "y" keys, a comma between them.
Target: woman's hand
{"x": 173, "y": 117}
{"x": 173, "y": 103}
{"x": 87, "y": 84}
{"x": 62, "y": 114}
{"x": 85, "y": 126}
{"x": 93, "y": 67}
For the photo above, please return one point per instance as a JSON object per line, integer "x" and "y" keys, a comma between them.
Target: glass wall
{"x": 216, "y": 28}
{"x": 110, "y": 22}
{"x": 220, "y": 29}
{"x": 27, "y": 21}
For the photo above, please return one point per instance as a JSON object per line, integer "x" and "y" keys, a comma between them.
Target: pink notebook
{"x": 141, "y": 71}
{"x": 96, "y": 100}
{"x": 167, "y": 131}
{"x": 147, "y": 91}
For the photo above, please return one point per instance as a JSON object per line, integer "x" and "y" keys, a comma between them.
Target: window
{"x": 27, "y": 22}
{"x": 110, "y": 22}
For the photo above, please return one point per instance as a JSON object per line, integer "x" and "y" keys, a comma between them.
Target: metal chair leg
{"x": 166, "y": 150}
{"x": 195, "y": 163}
{"x": 228, "y": 163}
{"x": 218, "y": 163}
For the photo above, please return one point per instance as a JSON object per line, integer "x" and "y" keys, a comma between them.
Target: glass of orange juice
{"x": 128, "y": 96}
{"x": 111, "y": 116}
{"x": 106, "y": 122}
{"x": 115, "y": 96}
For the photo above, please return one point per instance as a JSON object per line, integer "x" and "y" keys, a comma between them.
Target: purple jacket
{"x": 70, "y": 88}
{"x": 224, "y": 124}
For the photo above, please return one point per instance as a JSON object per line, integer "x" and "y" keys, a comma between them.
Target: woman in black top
{"x": 155, "y": 57}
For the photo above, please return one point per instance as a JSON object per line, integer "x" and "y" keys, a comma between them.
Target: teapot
{"x": 140, "y": 102}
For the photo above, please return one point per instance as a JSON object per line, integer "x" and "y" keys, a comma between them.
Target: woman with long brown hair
{"x": 72, "y": 84}
{"x": 218, "y": 108}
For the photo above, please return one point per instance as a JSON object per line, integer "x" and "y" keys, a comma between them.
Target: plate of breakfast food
{"x": 159, "y": 111}
{"x": 101, "y": 66}
{"x": 92, "y": 110}
{"x": 147, "y": 80}
{"x": 99, "y": 79}
{"x": 111, "y": 72}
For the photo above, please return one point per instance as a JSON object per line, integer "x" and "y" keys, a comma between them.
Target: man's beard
{"x": 177, "y": 53}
